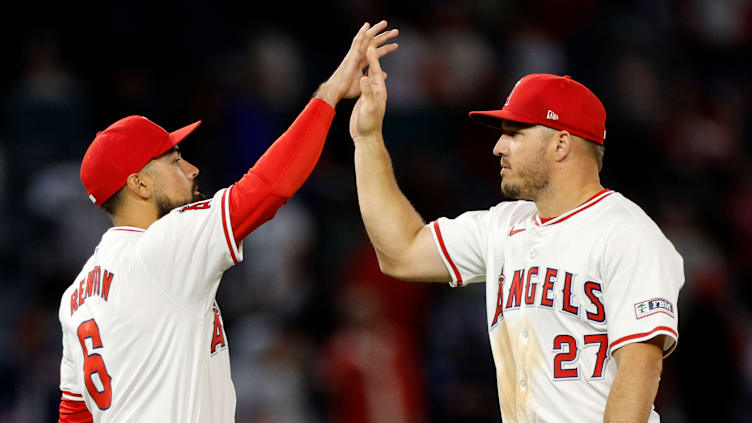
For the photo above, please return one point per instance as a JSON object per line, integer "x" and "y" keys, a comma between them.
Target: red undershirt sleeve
{"x": 74, "y": 412}
{"x": 281, "y": 171}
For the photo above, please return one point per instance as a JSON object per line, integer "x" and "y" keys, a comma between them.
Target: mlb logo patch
{"x": 650, "y": 307}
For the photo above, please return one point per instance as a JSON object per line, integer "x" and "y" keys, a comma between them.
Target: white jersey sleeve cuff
{"x": 438, "y": 239}
{"x": 72, "y": 397}
{"x": 668, "y": 347}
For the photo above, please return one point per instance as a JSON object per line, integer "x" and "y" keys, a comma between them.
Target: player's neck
{"x": 566, "y": 196}
{"x": 139, "y": 217}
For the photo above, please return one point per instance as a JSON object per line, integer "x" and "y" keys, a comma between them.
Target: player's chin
{"x": 510, "y": 191}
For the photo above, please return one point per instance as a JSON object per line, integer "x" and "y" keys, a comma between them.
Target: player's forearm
{"x": 634, "y": 390}
{"x": 292, "y": 157}
{"x": 391, "y": 221}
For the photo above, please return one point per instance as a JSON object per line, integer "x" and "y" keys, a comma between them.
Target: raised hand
{"x": 367, "y": 116}
{"x": 345, "y": 81}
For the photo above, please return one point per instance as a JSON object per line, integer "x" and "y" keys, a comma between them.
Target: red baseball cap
{"x": 125, "y": 147}
{"x": 555, "y": 101}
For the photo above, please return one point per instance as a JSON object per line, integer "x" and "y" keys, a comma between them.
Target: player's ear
{"x": 140, "y": 185}
{"x": 563, "y": 141}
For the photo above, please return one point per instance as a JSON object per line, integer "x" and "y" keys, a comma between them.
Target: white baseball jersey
{"x": 143, "y": 338}
{"x": 562, "y": 295}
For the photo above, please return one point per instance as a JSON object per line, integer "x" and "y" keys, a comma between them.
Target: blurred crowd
{"x": 316, "y": 332}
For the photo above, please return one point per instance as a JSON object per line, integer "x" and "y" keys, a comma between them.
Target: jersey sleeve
{"x": 281, "y": 171}
{"x": 643, "y": 274}
{"x": 187, "y": 251}
{"x": 73, "y": 412}
{"x": 461, "y": 243}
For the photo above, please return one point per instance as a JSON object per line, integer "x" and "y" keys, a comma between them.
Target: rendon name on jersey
{"x": 562, "y": 295}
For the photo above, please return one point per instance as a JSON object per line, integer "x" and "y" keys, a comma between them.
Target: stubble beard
{"x": 535, "y": 179}
{"x": 165, "y": 205}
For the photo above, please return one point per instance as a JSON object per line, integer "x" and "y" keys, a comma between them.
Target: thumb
{"x": 365, "y": 87}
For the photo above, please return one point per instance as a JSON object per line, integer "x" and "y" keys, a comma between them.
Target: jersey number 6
{"x": 93, "y": 363}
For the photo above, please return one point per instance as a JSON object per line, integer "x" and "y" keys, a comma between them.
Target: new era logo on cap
{"x": 555, "y": 101}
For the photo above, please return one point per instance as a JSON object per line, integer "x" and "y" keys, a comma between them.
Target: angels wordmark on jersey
{"x": 561, "y": 295}
{"x": 141, "y": 317}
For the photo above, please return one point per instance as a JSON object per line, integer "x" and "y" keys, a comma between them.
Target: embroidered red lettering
{"x": 515, "y": 289}
{"x": 567, "y": 296}
{"x": 201, "y": 205}
{"x": 106, "y": 284}
{"x": 530, "y": 286}
{"x": 590, "y": 289}
{"x": 218, "y": 334}
{"x": 548, "y": 285}
{"x": 499, "y": 300}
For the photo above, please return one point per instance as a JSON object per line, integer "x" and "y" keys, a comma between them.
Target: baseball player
{"x": 143, "y": 337}
{"x": 581, "y": 285}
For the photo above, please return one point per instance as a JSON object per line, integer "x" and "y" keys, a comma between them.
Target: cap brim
{"x": 180, "y": 134}
{"x": 493, "y": 118}
{"x": 175, "y": 137}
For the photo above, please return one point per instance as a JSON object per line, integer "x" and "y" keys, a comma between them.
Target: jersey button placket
{"x": 532, "y": 239}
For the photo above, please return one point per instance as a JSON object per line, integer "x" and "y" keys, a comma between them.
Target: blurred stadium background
{"x": 316, "y": 333}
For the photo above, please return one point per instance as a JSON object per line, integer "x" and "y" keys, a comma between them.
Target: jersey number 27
{"x": 568, "y": 343}
{"x": 93, "y": 364}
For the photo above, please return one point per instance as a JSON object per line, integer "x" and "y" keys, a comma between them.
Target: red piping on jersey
{"x": 72, "y": 394}
{"x": 545, "y": 220}
{"x": 224, "y": 226}
{"x": 446, "y": 253}
{"x": 128, "y": 230}
{"x": 641, "y": 335}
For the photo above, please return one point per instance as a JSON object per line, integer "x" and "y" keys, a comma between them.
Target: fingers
{"x": 380, "y": 52}
{"x": 374, "y": 65}
{"x": 384, "y": 50}
{"x": 384, "y": 37}
{"x": 360, "y": 37}
{"x": 376, "y": 29}
{"x": 361, "y": 34}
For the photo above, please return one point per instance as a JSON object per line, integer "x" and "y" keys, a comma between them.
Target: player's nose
{"x": 502, "y": 146}
{"x": 189, "y": 169}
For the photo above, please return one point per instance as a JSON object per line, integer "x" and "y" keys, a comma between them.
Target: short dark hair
{"x": 113, "y": 203}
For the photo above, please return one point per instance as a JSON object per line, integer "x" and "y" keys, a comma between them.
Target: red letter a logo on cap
{"x": 509, "y": 97}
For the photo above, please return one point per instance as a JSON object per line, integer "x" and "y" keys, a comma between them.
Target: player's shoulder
{"x": 623, "y": 219}
{"x": 621, "y": 212}
{"x": 188, "y": 215}
{"x": 513, "y": 212}
{"x": 513, "y": 208}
